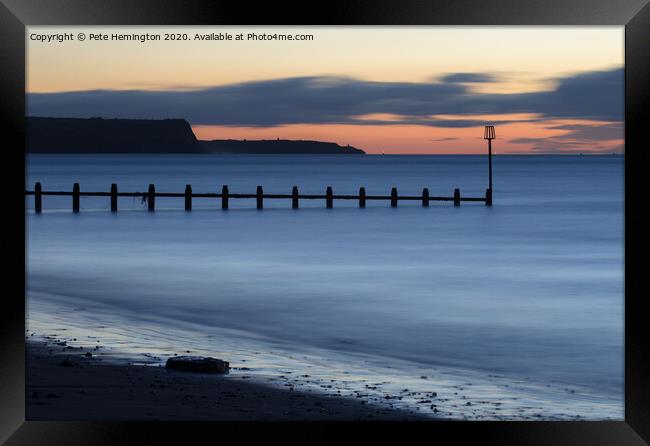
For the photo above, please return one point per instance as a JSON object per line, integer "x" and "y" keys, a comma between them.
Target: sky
{"x": 403, "y": 90}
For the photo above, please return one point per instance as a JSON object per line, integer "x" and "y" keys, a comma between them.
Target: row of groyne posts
{"x": 150, "y": 196}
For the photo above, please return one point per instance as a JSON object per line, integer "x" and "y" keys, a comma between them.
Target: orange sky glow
{"x": 411, "y": 139}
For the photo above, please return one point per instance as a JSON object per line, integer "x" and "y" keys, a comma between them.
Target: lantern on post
{"x": 489, "y": 135}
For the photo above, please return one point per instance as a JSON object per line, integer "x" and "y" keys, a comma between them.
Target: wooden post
{"x": 489, "y": 134}
{"x": 260, "y": 198}
{"x": 151, "y": 198}
{"x": 38, "y": 200}
{"x": 362, "y": 197}
{"x": 329, "y": 198}
{"x": 393, "y": 197}
{"x": 425, "y": 197}
{"x": 75, "y": 197}
{"x": 113, "y": 197}
{"x": 294, "y": 197}
{"x": 490, "y": 163}
{"x": 188, "y": 197}
{"x": 488, "y": 197}
{"x": 224, "y": 197}
{"x": 456, "y": 197}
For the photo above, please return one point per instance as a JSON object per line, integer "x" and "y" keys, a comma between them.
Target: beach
{"x": 86, "y": 383}
{"x": 93, "y": 372}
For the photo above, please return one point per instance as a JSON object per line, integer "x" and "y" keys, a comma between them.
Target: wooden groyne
{"x": 329, "y": 197}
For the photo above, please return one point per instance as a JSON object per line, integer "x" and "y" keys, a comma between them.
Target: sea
{"x": 514, "y": 311}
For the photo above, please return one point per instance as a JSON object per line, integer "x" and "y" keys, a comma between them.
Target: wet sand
{"x": 82, "y": 383}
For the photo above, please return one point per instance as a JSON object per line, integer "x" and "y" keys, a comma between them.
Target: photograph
{"x": 292, "y": 223}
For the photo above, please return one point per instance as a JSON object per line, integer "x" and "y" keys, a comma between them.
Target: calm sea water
{"x": 530, "y": 290}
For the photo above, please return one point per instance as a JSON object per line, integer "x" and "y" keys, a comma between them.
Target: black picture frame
{"x": 633, "y": 14}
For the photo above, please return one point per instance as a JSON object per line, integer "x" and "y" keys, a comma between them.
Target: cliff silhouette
{"x": 99, "y": 135}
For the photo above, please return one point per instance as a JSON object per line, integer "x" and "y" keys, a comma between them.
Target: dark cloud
{"x": 595, "y": 95}
{"x": 606, "y": 132}
{"x": 468, "y": 78}
{"x": 338, "y": 100}
{"x": 578, "y": 139}
{"x": 556, "y": 148}
{"x": 445, "y": 139}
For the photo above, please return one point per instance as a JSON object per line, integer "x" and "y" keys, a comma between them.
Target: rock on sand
{"x": 197, "y": 364}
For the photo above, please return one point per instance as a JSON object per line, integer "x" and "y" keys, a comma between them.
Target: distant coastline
{"x": 278, "y": 146}
{"x": 99, "y": 135}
